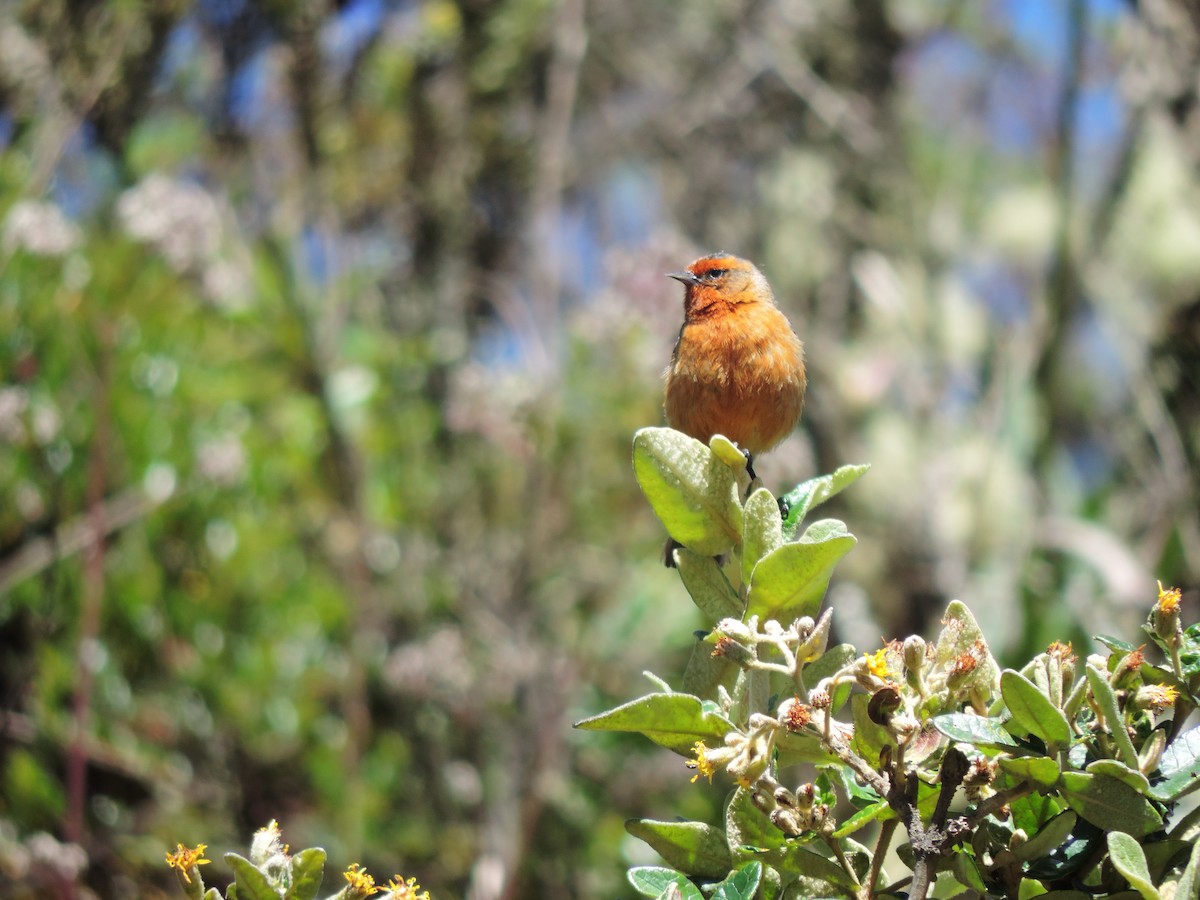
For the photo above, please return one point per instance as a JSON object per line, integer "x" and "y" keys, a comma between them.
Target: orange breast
{"x": 739, "y": 373}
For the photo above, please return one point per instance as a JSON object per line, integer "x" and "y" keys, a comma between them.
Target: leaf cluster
{"x": 1061, "y": 779}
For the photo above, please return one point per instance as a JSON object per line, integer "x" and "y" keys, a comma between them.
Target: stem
{"x": 921, "y": 881}
{"x": 1176, "y": 662}
{"x": 997, "y": 801}
{"x": 886, "y": 830}
{"x": 841, "y": 855}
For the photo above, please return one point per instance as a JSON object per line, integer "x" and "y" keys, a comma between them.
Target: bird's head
{"x": 720, "y": 280}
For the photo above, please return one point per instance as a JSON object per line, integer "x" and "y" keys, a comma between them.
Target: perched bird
{"x": 737, "y": 368}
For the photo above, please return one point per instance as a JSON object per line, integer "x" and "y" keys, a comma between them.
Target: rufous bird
{"x": 737, "y": 368}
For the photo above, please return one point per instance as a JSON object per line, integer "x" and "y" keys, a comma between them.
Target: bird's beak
{"x": 685, "y": 277}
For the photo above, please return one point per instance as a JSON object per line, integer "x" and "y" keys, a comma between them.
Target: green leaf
{"x": 747, "y": 826}
{"x": 1103, "y": 694}
{"x": 251, "y": 883}
{"x": 654, "y": 881}
{"x": 1078, "y": 851}
{"x": 308, "y": 870}
{"x": 804, "y": 497}
{"x": 1118, "y": 770}
{"x": 1188, "y": 886}
{"x": 790, "y": 581}
{"x": 1128, "y": 859}
{"x": 795, "y": 859}
{"x": 708, "y": 587}
{"x": 1179, "y": 768}
{"x": 1048, "y": 839}
{"x": 691, "y": 490}
{"x": 692, "y": 847}
{"x": 1116, "y": 645}
{"x": 1109, "y": 804}
{"x": 740, "y": 885}
{"x": 967, "y": 872}
{"x": 705, "y": 672}
{"x": 1033, "y": 811}
{"x": 833, "y": 660}
{"x": 794, "y": 748}
{"x": 213, "y": 894}
{"x": 880, "y": 811}
{"x": 975, "y": 730}
{"x": 674, "y": 721}
{"x": 762, "y": 530}
{"x": 1162, "y": 856}
{"x": 1032, "y": 710}
{"x": 1042, "y": 771}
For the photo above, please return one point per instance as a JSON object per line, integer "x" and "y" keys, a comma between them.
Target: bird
{"x": 737, "y": 368}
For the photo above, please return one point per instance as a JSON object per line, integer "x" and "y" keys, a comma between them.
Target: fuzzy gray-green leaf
{"x": 1109, "y": 804}
{"x": 1128, "y": 859}
{"x": 251, "y": 883}
{"x": 691, "y": 490}
{"x": 692, "y": 847}
{"x": 1032, "y": 710}
{"x": 674, "y": 721}
{"x": 791, "y": 580}
{"x": 708, "y": 587}
{"x": 308, "y": 870}
{"x": 762, "y": 530}
{"x": 1107, "y": 701}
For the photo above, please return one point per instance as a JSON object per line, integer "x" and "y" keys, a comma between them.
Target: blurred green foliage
{"x": 335, "y": 322}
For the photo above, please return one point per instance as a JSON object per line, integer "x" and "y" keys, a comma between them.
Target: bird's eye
{"x": 714, "y": 274}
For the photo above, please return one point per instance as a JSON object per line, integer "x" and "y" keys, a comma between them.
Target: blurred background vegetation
{"x": 324, "y": 329}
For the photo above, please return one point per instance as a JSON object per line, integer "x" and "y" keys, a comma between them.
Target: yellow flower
{"x": 185, "y": 859}
{"x": 360, "y": 883}
{"x": 1168, "y": 599}
{"x": 877, "y": 662}
{"x": 406, "y": 890}
{"x": 702, "y": 764}
{"x": 1059, "y": 649}
{"x": 1157, "y": 696}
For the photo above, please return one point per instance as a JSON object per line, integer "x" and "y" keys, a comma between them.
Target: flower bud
{"x": 1164, "y": 618}
{"x": 727, "y": 647}
{"x": 914, "y": 650}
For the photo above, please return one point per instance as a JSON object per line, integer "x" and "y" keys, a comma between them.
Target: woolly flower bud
{"x": 914, "y": 649}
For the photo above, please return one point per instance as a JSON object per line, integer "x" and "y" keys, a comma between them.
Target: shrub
{"x": 926, "y": 769}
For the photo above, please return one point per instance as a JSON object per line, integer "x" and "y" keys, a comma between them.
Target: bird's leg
{"x": 750, "y": 471}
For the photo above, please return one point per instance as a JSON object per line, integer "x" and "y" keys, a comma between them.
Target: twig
{"x": 886, "y": 831}
{"x": 92, "y": 599}
{"x": 75, "y": 535}
{"x": 997, "y": 801}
